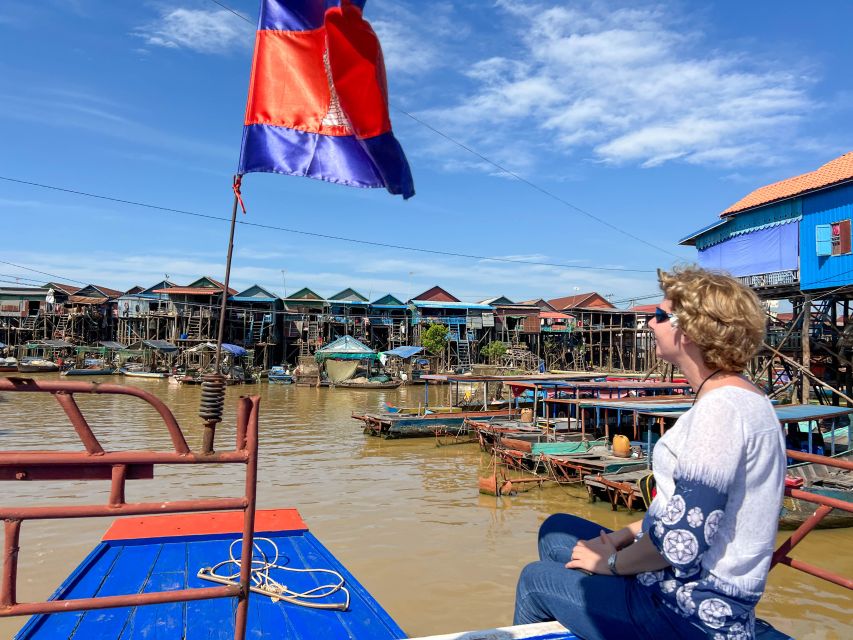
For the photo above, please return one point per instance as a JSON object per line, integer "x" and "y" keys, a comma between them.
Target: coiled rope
{"x": 264, "y": 584}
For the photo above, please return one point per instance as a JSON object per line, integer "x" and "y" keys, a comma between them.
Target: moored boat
{"x": 89, "y": 371}
{"x": 37, "y": 365}
{"x": 132, "y": 373}
{"x": 367, "y": 384}
{"x": 397, "y": 425}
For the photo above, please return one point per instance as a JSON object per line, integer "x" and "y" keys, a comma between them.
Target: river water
{"x": 404, "y": 516}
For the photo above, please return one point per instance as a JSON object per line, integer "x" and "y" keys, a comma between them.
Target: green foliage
{"x": 434, "y": 339}
{"x": 494, "y": 350}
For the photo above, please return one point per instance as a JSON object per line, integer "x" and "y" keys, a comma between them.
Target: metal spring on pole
{"x": 212, "y": 398}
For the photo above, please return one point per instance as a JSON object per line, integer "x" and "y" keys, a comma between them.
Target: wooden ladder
{"x": 194, "y": 327}
{"x": 61, "y": 326}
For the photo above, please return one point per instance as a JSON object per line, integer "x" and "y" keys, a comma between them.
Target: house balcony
{"x": 788, "y": 279}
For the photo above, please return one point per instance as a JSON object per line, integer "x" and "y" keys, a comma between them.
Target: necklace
{"x": 699, "y": 390}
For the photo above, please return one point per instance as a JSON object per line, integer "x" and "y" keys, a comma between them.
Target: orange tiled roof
{"x": 833, "y": 172}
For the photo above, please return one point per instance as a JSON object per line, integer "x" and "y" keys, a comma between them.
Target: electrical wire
{"x": 500, "y": 167}
{"x": 325, "y": 236}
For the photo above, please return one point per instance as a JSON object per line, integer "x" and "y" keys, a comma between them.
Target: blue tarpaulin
{"x": 404, "y": 352}
{"x": 234, "y": 350}
{"x": 764, "y": 251}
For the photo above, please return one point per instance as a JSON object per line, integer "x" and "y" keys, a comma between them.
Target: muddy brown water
{"x": 404, "y": 516}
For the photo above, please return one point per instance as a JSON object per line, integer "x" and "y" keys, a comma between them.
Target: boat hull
{"x": 89, "y": 372}
{"x": 154, "y": 553}
{"x": 143, "y": 374}
{"x": 38, "y": 368}
{"x": 369, "y": 385}
{"x": 397, "y": 425}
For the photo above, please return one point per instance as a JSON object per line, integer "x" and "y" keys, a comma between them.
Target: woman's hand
{"x": 592, "y": 555}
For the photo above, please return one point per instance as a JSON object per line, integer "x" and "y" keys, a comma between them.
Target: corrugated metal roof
{"x": 192, "y": 291}
{"x": 430, "y": 304}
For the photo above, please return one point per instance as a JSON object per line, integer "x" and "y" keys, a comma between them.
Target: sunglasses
{"x": 662, "y": 316}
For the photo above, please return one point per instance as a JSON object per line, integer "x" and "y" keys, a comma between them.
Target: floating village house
{"x": 348, "y": 315}
{"x": 193, "y": 311}
{"x": 467, "y": 323}
{"x": 388, "y": 323}
{"x": 304, "y": 324}
{"x": 791, "y": 240}
{"x": 145, "y": 314}
{"x": 22, "y": 314}
{"x": 516, "y": 323}
{"x": 254, "y": 321}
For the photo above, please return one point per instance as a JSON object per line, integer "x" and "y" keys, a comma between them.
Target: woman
{"x": 697, "y": 564}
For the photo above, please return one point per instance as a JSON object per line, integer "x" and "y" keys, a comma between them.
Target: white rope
{"x": 263, "y": 583}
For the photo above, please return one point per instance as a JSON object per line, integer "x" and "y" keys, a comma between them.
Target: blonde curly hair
{"x": 723, "y": 317}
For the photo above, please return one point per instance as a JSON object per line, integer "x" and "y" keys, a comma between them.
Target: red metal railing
{"x": 825, "y": 505}
{"x": 95, "y": 463}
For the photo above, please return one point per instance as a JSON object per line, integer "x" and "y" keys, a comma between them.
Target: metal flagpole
{"x": 213, "y": 386}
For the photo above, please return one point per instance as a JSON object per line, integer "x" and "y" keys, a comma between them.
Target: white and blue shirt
{"x": 720, "y": 475}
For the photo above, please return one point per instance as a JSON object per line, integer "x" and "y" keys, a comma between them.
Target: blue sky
{"x": 651, "y": 116}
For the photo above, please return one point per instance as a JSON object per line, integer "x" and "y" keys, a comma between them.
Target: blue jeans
{"x": 594, "y": 607}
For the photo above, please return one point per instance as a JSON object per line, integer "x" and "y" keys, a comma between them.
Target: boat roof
{"x": 608, "y": 384}
{"x": 528, "y": 378}
{"x": 153, "y": 553}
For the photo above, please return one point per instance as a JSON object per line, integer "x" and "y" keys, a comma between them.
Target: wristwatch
{"x": 611, "y": 564}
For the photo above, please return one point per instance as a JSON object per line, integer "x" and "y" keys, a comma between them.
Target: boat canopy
{"x": 55, "y": 344}
{"x": 157, "y": 345}
{"x": 111, "y": 344}
{"x": 2, "y": 345}
{"x": 233, "y": 349}
{"x": 346, "y": 348}
{"x": 404, "y": 352}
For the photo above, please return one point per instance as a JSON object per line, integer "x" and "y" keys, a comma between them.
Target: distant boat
{"x": 8, "y": 364}
{"x": 349, "y": 384}
{"x": 91, "y": 367}
{"x": 37, "y": 365}
{"x": 143, "y": 374}
{"x": 90, "y": 371}
{"x": 278, "y": 375}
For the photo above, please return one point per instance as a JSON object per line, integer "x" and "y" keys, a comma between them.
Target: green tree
{"x": 434, "y": 339}
{"x": 493, "y": 351}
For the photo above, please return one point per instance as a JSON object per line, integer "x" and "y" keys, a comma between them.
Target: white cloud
{"x": 628, "y": 86}
{"x": 214, "y": 31}
{"x": 468, "y": 279}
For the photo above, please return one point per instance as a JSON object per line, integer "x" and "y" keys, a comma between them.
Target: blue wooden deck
{"x": 143, "y": 565}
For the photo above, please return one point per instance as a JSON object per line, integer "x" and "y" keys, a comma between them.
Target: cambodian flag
{"x": 318, "y": 98}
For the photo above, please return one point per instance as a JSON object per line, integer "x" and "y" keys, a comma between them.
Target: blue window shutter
{"x": 823, "y": 237}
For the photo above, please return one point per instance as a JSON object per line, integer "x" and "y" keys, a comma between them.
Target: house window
{"x": 833, "y": 239}
{"x": 840, "y": 237}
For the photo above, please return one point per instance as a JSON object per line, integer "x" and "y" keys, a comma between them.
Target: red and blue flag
{"x": 318, "y": 98}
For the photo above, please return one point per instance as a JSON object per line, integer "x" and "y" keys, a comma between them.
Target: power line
{"x": 503, "y": 169}
{"x": 314, "y": 234}
{"x": 44, "y": 273}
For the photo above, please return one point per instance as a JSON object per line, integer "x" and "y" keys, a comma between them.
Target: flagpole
{"x": 213, "y": 386}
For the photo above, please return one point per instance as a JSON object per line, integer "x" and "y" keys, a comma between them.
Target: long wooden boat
{"x": 391, "y": 384}
{"x": 395, "y": 425}
{"x": 143, "y": 374}
{"x": 89, "y": 371}
{"x": 145, "y": 554}
{"x": 37, "y": 365}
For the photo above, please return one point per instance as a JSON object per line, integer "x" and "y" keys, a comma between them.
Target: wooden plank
{"x": 188, "y": 524}
{"x": 127, "y": 575}
{"x": 162, "y": 621}
{"x": 84, "y": 582}
{"x": 208, "y": 619}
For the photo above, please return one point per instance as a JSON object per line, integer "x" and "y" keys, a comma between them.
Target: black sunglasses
{"x": 663, "y": 316}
